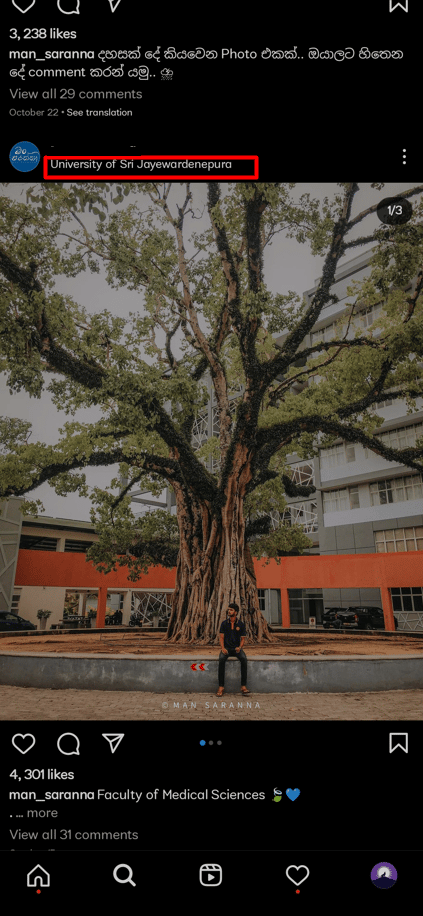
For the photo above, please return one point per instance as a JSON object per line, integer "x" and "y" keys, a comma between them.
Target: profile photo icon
{"x": 24, "y": 156}
{"x": 384, "y": 875}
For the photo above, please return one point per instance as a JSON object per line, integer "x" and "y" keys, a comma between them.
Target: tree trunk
{"x": 215, "y": 567}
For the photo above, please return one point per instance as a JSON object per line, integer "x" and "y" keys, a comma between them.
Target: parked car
{"x": 339, "y": 617}
{"x": 359, "y": 618}
{"x": 371, "y": 618}
{"x": 113, "y": 620}
{"x": 10, "y": 621}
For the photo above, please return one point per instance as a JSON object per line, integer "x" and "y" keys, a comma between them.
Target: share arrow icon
{"x": 114, "y": 741}
{"x": 114, "y": 5}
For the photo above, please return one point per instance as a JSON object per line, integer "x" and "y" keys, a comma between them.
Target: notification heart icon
{"x": 293, "y": 793}
{"x": 299, "y": 869}
{"x": 23, "y": 5}
{"x": 21, "y": 743}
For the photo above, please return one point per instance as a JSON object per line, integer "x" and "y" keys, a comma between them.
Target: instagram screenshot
{"x": 211, "y": 455}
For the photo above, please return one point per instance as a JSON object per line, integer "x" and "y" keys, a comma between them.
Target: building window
{"x": 317, "y": 336}
{"x": 335, "y": 500}
{"x": 397, "y": 490}
{"x": 386, "y": 403}
{"x": 335, "y": 330}
{"x": 37, "y": 542}
{"x": 338, "y": 500}
{"x": 74, "y": 546}
{"x": 370, "y": 315}
{"x": 401, "y": 438}
{"x": 354, "y": 497}
{"x": 296, "y": 606}
{"x": 399, "y": 540}
{"x": 338, "y": 454}
{"x": 407, "y": 600}
{"x": 262, "y": 599}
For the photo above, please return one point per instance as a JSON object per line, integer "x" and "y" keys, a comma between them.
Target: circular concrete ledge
{"x": 170, "y": 674}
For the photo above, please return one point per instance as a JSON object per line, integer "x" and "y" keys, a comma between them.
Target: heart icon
{"x": 23, "y": 5}
{"x": 19, "y": 742}
{"x": 297, "y": 868}
{"x": 293, "y": 793}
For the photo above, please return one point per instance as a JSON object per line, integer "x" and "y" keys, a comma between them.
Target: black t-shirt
{"x": 232, "y": 637}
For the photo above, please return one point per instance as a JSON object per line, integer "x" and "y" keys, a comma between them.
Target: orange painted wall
{"x": 369, "y": 570}
{"x": 41, "y": 567}
{"x": 358, "y": 570}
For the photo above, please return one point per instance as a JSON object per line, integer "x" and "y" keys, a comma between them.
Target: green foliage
{"x": 136, "y": 543}
{"x": 13, "y": 433}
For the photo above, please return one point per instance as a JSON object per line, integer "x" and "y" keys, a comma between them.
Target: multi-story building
{"x": 363, "y": 503}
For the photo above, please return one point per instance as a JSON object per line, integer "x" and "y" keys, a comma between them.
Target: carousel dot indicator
{"x": 202, "y": 743}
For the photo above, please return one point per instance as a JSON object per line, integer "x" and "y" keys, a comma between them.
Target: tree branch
{"x": 86, "y": 371}
{"x": 269, "y": 440}
{"x": 279, "y": 364}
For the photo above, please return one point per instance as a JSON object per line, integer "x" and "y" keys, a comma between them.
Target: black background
{"x": 354, "y": 793}
{"x": 358, "y": 803}
{"x": 319, "y": 117}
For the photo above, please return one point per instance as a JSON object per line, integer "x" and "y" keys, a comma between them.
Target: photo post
{"x": 211, "y": 451}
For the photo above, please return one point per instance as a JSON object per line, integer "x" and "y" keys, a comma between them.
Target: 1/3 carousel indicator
{"x": 383, "y": 875}
{"x": 394, "y": 211}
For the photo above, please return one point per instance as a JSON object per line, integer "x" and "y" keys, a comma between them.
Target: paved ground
{"x": 42, "y": 704}
{"x": 30, "y": 703}
{"x": 141, "y": 643}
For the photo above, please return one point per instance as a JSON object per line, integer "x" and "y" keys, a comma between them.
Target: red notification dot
{"x": 38, "y": 891}
{"x": 297, "y": 892}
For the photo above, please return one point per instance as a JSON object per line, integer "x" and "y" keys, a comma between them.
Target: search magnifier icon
{"x": 128, "y": 879}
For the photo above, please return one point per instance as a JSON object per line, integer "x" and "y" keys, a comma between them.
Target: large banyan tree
{"x": 207, "y": 321}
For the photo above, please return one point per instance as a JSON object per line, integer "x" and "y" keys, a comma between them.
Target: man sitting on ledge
{"x": 232, "y": 638}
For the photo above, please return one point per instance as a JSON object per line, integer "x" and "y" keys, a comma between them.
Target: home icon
{"x": 38, "y": 876}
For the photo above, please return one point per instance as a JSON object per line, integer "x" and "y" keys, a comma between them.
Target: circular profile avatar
{"x": 24, "y": 156}
{"x": 383, "y": 874}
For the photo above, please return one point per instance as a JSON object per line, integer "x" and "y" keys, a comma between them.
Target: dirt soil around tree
{"x": 135, "y": 643}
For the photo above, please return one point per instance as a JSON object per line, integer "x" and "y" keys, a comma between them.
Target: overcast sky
{"x": 288, "y": 266}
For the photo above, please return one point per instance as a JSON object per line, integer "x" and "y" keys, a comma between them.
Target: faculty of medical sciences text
{"x": 132, "y": 795}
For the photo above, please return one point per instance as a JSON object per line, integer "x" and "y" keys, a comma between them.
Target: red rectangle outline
{"x": 176, "y": 177}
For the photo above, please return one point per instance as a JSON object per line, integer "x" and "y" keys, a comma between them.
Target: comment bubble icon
{"x": 68, "y": 7}
{"x": 68, "y": 746}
